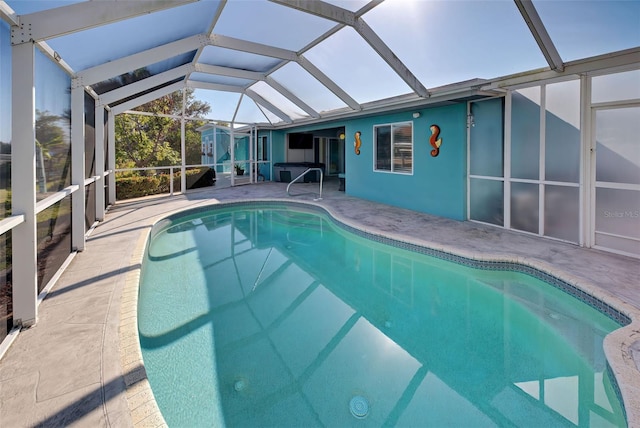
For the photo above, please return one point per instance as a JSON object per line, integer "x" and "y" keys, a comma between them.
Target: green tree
{"x": 52, "y": 144}
{"x": 49, "y": 134}
{"x": 143, "y": 141}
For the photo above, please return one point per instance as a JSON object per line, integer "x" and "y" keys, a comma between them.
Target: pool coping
{"x": 619, "y": 345}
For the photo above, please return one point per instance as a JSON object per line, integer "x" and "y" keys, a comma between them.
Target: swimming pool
{"x": 264, "y": 315}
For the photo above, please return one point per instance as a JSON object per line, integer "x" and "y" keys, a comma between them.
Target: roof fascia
{"x": 412, "y": 102}
{"x": 624, "y": 59}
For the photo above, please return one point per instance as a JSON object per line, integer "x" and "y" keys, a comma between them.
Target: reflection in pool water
{"x": 263, "y": 316}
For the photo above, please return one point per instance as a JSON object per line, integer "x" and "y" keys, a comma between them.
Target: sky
{"x": 440, "y": 42}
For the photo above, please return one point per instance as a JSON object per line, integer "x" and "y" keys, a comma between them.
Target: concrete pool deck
{"x": 73, "y": 368}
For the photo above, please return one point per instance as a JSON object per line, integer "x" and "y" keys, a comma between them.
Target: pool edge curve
{"x": 143, "y": 406}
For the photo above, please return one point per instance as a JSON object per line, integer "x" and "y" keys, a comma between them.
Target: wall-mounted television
{"x": 300, "y": 140}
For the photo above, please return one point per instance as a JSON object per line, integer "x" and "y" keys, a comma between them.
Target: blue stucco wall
{"x": 278, "y": 139}
{"x": 438, "y": 184}
{"x": 207, "y": 133}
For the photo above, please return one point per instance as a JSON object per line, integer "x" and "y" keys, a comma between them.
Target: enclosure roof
{"x": 280, "y": 62}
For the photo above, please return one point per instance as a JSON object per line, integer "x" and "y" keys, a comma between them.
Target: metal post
{"x": 23, "y": 189}
{"x": 99, "y": 136}
{"x": 183, "y": 169}
{"x": 171, "y": 181}
{"x": 215, "y": 150}
{"x": 77, "y": 166}
{"x": 111, "y": 123}
{"x": 252, "y": 149}
{"x": 507, "y": 161}
{"x": 587, "y": 189}
{"x": 232, "y": 148}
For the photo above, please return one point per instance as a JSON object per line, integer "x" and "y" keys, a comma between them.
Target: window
{"x": 540, "y": 177}
{"x": 394, "y": 148}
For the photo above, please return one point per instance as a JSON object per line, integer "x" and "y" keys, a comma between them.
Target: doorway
{"x": 615, "y": 188}
{"x": 334, "y": 149}
{"x": 328, "y": 148}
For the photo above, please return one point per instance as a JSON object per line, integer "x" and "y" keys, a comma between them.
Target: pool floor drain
{"x": 240, "y": 385}
{"x": 359, "y": 407}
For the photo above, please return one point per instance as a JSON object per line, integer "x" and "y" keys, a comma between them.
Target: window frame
{"x": 393, "y": 144}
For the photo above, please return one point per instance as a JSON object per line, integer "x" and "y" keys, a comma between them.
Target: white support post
{"x": 507, "y": 161}
{"x": 183, "y": 151}
{"x": 77, "y": 167}
{"x": 111, "y": 124}
{"x": 271, "y": 156}
{"x": 542, "y": 188}
{"x": 468, "y": 183}
{"x": 232, "y": 151}
{"x": 171, "y": 181}
{"x": 23, "y": 189}
{"x": 587, "y": 166}
{"x": 252, "y": 148}
{"x": 215, "y": 150}
{"x": 99, "y": 135}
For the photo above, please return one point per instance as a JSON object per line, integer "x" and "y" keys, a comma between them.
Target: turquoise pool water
{"x": 263, "y": 316}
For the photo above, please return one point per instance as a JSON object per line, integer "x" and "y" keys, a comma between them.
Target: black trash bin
{"x": 285, "y": 176}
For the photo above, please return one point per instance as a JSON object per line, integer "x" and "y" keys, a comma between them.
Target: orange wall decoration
{"x": 357, "y": 143}
{"x": 434, "y": 140}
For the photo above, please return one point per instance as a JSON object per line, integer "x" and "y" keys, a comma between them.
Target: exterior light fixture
{"x": 416, "y": 115}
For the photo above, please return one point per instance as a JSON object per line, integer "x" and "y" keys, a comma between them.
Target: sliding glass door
{"x": 617, "y": 178}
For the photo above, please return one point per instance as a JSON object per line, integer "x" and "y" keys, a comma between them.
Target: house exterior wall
{"x": 206, "y": 137}
{"x": 279, "y": 144}
{"x": 436, "y": 186}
